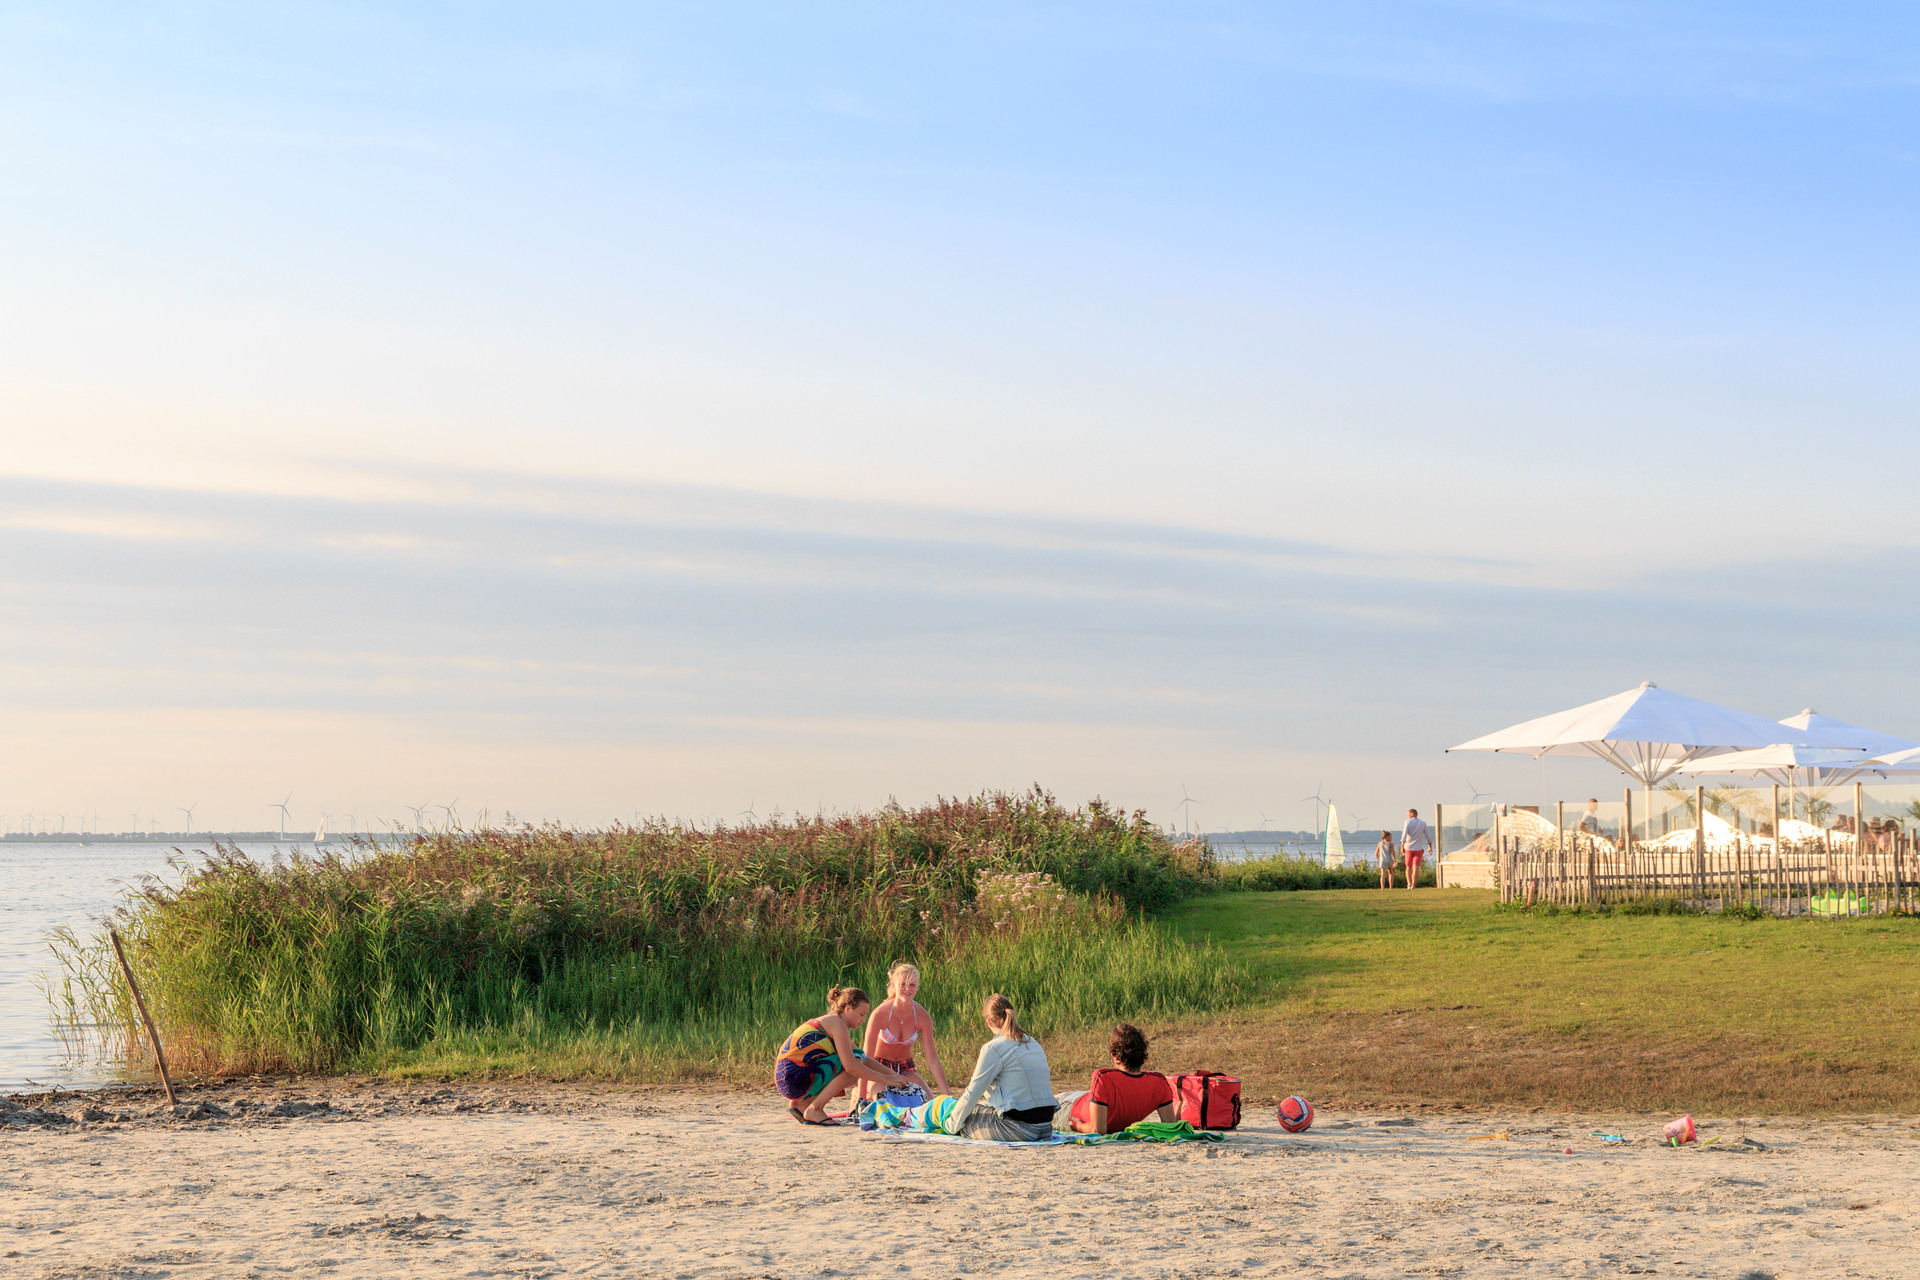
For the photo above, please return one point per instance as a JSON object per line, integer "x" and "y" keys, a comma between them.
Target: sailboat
{"x": 1336, "y": 847}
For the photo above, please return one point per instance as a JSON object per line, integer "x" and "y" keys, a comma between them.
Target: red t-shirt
{"x": 1128, "y": 1099}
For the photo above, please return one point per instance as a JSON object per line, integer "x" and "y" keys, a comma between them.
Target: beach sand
{"x": 548, "y": 1180}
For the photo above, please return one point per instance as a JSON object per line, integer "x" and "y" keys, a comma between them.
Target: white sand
{"x": 547, "y": 1182}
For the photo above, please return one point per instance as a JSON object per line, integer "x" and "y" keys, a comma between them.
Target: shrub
{"x": 317, "y": 962}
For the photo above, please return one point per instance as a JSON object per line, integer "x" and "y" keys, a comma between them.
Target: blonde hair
{"x": 1001, "y": 1017}
{"x": 841, "y": 999}
{"x": 901, "y": 969}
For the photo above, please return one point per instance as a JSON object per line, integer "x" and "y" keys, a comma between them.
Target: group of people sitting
{"x": 1010, "y": 1097}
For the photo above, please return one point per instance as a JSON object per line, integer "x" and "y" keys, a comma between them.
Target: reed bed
{"x": 647, "y": 951}
{"x": 1290, "y": 871}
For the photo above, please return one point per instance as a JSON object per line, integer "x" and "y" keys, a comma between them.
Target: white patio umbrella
{"x": 1648, "y": 733}
{"x": 1776, "y": 763}
{"x": 1871, "y": 754}
{"x": 1873, "y": 742}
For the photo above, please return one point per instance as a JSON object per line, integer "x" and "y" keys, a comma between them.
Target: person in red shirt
{"x": 1123, "y": 1094}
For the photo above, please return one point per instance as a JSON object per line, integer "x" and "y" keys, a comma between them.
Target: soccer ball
{"x": 1296, "y": 1115}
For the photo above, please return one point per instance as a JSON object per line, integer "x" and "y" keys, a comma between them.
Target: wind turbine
{"x": 1318, "y": 800}
{"x": 282, "y": 807}
{"x": 1186, "y": 812}
{"x": 448, "y": 808}
{"x": 749, "y": 813}
{"x": 1478, "y": 796}
{"x": 418, "y": 809}
{"x": 63, "y": 821}
{"x": 135, "y": 828}
{"x": 189, "y": 812}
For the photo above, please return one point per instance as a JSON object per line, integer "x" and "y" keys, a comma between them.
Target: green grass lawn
{"x": 1435, "y": 996}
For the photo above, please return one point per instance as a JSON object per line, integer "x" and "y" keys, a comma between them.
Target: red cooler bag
{"x": 1207, "y": 1099}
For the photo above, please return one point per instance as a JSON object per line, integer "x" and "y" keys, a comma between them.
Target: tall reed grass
{"x": 648, "y": 950}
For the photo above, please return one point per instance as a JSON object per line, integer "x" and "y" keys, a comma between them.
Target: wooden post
{"x": 1859, "y": 833}
{"x": 1560, "y": 847}
{"x": 1439, "y": 842}
{"x": 1626, "y": 834}
{"x": 159, "y": 1054}
{"x": 1700, "y": 844}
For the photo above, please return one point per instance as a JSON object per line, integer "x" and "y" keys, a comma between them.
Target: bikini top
{"x": 887, "y": 1035}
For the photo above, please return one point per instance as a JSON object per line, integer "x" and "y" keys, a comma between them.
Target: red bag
{"x": 1207, "y": 1099}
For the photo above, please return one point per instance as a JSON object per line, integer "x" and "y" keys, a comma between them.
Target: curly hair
{"x": 1128, "y": 1046}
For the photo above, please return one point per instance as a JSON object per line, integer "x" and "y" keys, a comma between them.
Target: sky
{"x": 571, "y": 412}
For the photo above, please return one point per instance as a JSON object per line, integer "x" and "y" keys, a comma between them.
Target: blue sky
{"x": 573, "y": 410}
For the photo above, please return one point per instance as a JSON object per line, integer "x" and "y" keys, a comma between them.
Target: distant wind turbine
{"x": 134, "y": 824}
{"x": 448, "y": 808}
{"x": 418, "y": 809}
{"x": 1478, "y": 795}
{"x": 63, "y": 821}
{"x": 1186, "y": 801}
{"x": 189, "y": 812}
{"x": 1318, "y": 800}
{"x": 749, "y": 813}
{"x": 282, "y": 807}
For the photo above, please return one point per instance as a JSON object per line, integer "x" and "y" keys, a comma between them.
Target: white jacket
{"x": 1011, "y": 1075}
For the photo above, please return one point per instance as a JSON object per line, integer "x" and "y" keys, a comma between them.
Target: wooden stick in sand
{"x": 159, "y": 1054}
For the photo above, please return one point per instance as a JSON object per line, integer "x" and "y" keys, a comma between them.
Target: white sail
{"x": 1336, "y": 848}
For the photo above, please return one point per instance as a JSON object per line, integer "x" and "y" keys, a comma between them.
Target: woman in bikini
{"x": 818, "y": 1061}
{"x": 894, "y": 1028}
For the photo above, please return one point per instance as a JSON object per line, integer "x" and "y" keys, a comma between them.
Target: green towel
{"x": 1165, "y": 1131}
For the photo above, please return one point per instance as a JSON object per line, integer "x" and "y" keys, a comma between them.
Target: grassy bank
{"x": 1288, "y": 872}
{"x": 653, "y": 951}
{"x": 1401, "y": 998}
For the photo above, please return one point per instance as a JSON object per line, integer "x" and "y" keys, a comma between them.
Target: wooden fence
{"x": 1810, "y": 878}
{"x": 1833, "y": 875}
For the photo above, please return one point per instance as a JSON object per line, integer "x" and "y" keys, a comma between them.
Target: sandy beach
{"x": 358, "y": 1179}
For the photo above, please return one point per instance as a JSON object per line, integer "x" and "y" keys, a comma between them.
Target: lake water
{"x": 47, "y": 886}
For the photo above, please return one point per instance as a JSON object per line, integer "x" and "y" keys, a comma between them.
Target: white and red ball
{"x": 1296, "y": 1115}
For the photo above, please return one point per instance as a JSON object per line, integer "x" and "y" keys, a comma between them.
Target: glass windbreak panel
{"x": 1595, "y": 818}
{"x": 1898, "y": 802}
{"x": 1662, "y": 812}
{"x": 1466, "y": 831}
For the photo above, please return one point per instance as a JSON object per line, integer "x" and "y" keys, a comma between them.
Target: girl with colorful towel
{"x": 1010, "y": 1098}
{"x": 818, "y": 1061}
{"x": 1123, "y": 1094}
{"x": 897, "y": 1023}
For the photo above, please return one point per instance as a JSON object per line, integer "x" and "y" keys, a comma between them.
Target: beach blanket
{"x": 934, "y": 1122}
{"x": 936, "y": 1117}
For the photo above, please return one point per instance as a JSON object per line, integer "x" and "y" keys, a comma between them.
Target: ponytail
{"x": 1000, "y": 1014}
{"x": 841, "y": 999}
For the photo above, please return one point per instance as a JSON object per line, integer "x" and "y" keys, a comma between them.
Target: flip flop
{"x": 829, "y": 1122}
{"x": 797, "y": 1114}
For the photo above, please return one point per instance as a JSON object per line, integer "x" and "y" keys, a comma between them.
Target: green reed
{"x": 647, "y": 945}
{"x": 1287, "y": 871}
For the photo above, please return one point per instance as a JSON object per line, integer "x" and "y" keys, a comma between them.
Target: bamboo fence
{"x": 1832, "y": 875}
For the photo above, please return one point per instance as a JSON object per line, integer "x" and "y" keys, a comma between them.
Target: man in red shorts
{"x": 1415, "y": 839}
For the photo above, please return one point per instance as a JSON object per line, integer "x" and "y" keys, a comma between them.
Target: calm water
{"x": 49, "y": 885}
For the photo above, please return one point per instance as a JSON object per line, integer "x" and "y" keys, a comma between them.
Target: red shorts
{"x": 899, "y": 1065}
{"x": 1414, "y": 856}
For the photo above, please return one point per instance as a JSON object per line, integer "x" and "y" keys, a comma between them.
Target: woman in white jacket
{"x": 1010, "y": 1097}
